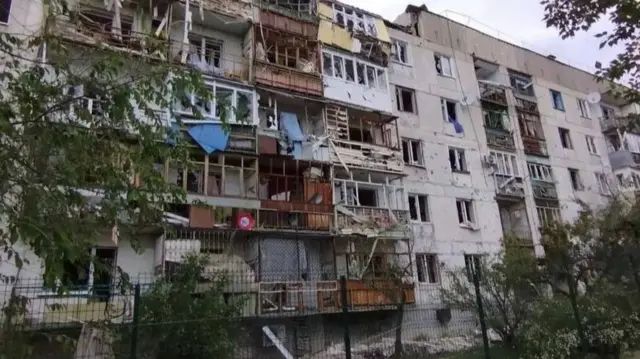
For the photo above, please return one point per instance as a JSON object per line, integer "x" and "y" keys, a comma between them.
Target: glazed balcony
{"x": 493, "y": 93}
{"x": 535, "y": 146}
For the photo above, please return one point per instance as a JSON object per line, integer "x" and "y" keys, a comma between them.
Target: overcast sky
{"x": 517, "y": 21}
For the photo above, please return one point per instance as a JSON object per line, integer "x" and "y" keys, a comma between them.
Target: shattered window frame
{"x": 574, "y": 178}
{"x": 547, "y": 215}
{"x": 540, "y": 172}
{"x": 420, "y": 208}
{"x": 583, "y": 105}
{"x": 400, "y": 51}
{"x": 352, "y": 19}
{"x": 366, "y": 75}
{"x": 466, "y": 212}
{"x": 458, "y": 160}
{"x": 565, "y": 138}
{"x": 603, "y": 183}
{"x": 506, "y": 164}
{"x": 212, "y": 115}
{"x": 440, "y": 60}
{"x": 400, "y": 100}
{"x": 427, "y": 268}
{"x": 591, "y": 144}
{"x": 412, "y": 147}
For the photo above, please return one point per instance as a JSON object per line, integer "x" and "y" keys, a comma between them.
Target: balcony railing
{"x": 500, "y": 140}
{"x": 535, "y": 146}
{"x": 612, "y": 122}
{"x": 520, "y": 236}
{"x": 527, "y": 106}
{"x": 372, "y": 220}
{"x": 377, "y": 292}
{"x": 366, "y": 155}
{"x": 509, "y": 186}
{"x": 287, "y": 78}
{"x": 495, "y": 120}
{"x": 289, "y": 24}
{"x": 544, "y": 190}
{"x": 493, "y": 93}
{"x": 229, "y": 66}
{"x": 270, "y": 219}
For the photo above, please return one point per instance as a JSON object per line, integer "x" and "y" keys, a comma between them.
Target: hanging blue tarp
{"x": 210, "y": 137}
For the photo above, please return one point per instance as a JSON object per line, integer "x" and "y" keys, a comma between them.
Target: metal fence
{"x": 162, "y": 317}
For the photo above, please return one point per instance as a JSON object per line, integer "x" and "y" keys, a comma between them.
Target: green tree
{"x": 185, "y": 316}
{"x": 572, "y": 16}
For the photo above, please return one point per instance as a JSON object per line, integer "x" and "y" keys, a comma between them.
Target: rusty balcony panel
{"x": 288, "y": 79}
{"x": 535, "y": 146}
{"x": 527, "y": 106}
{"x": 509, "y": 187}
{"x": 500, "y": 140}
{"x": 544, "y": 190}
{"x": 288, "y": 24}
{"x": 378, "y": 292}
{"x": 492, "y": 93}
{"x": 297, "y": 297}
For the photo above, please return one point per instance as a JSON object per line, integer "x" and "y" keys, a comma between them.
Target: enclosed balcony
{"x": 493, "y": 93}
{"x": 521, "y": 84}
{"x": 515, "y": 223}
{"x": 532, "y": 134}
{"x": 526, "y": 106}
{"x": 498, "y": 127}
{"x": 293, "y": 17}
{"x": 295, "y": 195}
{"x": 370, "y": 208}
{"x": 287, "y": 61}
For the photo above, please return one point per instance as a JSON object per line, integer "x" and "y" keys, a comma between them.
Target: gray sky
{"x": 516, "y": 21}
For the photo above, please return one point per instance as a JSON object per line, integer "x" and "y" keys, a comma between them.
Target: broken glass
{"x": 349, "y": 70}
{"x": 327, "y": 67}
{"x": 371, "y": 76}
{"x": 337, "y": 67}
{"x": 360, "y": 73}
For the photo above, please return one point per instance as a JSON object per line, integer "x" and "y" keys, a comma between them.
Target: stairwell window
{"x": 443, "y": 65}
{"x": 427, "y": 268}
{"x": 591, "y": 144}
{"x": 406, "y": 99}
{"x": 399, "y": 52}
{"x": 419, "y": 208}
{"x": 412, "y": 152}
{"x": 466, "y": 214}
{"x": 5, "y": 11}
{"x": 576, "y": 182}
{"x": 457, "y": 160}
{"x": 583, "y": 106}
{"x": 556, "y": 100}
{"x": 565, "y": 138}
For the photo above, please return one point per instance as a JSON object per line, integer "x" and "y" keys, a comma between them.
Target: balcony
{"x": 372, "y": 221}
{"x": 624, "y": 158}
{"x": 500, "y": 140}
{"x": 493, "y": 93}
{"x": 544, "y": 190}
{"x": 304, "y": 24}
{"x": 614, "y": 122}
{"x": 535, "y": 146}
{"x": 216, "y": 64}
{"x": 509, "y": 187}
{"x": 287, "y": 61}
{"x": 526, "y": 106}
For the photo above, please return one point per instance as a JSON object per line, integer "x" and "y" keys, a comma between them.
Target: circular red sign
{"x": 244, "y": 220}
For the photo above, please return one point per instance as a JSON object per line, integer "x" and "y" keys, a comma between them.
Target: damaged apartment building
{"x": 302, "y": 187}
{"x": 384, "y": 152}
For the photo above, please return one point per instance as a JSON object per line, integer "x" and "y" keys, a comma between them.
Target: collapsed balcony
{"x": 378, "y": 273}
{"x": 371, "y": 209}
{"x": 287, "y": 61}
{"x": 360, "y": 140}
{"x": 272, "y": 275}
{"x": 295, "y": 195}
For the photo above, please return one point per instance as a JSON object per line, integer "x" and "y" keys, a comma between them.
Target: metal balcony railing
{"x": 493, "y": 93}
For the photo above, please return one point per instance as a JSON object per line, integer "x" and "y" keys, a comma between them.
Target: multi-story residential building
{"x": 382, "y": 152}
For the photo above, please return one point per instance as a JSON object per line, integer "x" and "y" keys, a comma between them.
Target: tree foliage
{"x": 572, "y": 16}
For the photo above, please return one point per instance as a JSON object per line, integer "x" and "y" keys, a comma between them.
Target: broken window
{"x": 472, "y": 264}
{"x": 556, "y": 99}
{"x": 506, "y": 164}
{"x": 419, "y": 208}
{"x": 584, "y": 108}
{"x": 603, "y": 183}
{"x": 466, "y": 214}
{"x": 207, "y": 49}
{"x": 358, "y": 134}
{"x": 427, "y": 266}
{"x": 367, "y": 197}
{"x": 327, "y": 64}
{"x": 457, "y": 160}
{"x": 360, "y": 72}
{"x": 521, "y": 83}
{"x": 382, "y": 79}
{"x": 529, "y": 125}
{"x": 405, "y": 99}
{"x": 5, "y": 11}
{"x": 354, "y": 20}
{"x": 449, "y": 113}
{"x": 608, "y": 113}
{"x": 540, "y": 172}
{"x": 443, "y": 65}
{"x": 399, "y": 52}
{"x": 576, "y": 183}
{"x": 412, "y": 152}
{"x": 371, "y": 77}
{"x": 591, "y": 144}
{"x": 337, "y": 67}
{"x": 229, "y": 104}
{"x": 349, "y": 70}
{"x": 565, "y": 138}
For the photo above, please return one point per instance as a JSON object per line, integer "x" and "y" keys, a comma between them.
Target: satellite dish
{"x": 594, "y": 97}
{"x": 467, "y": 100}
